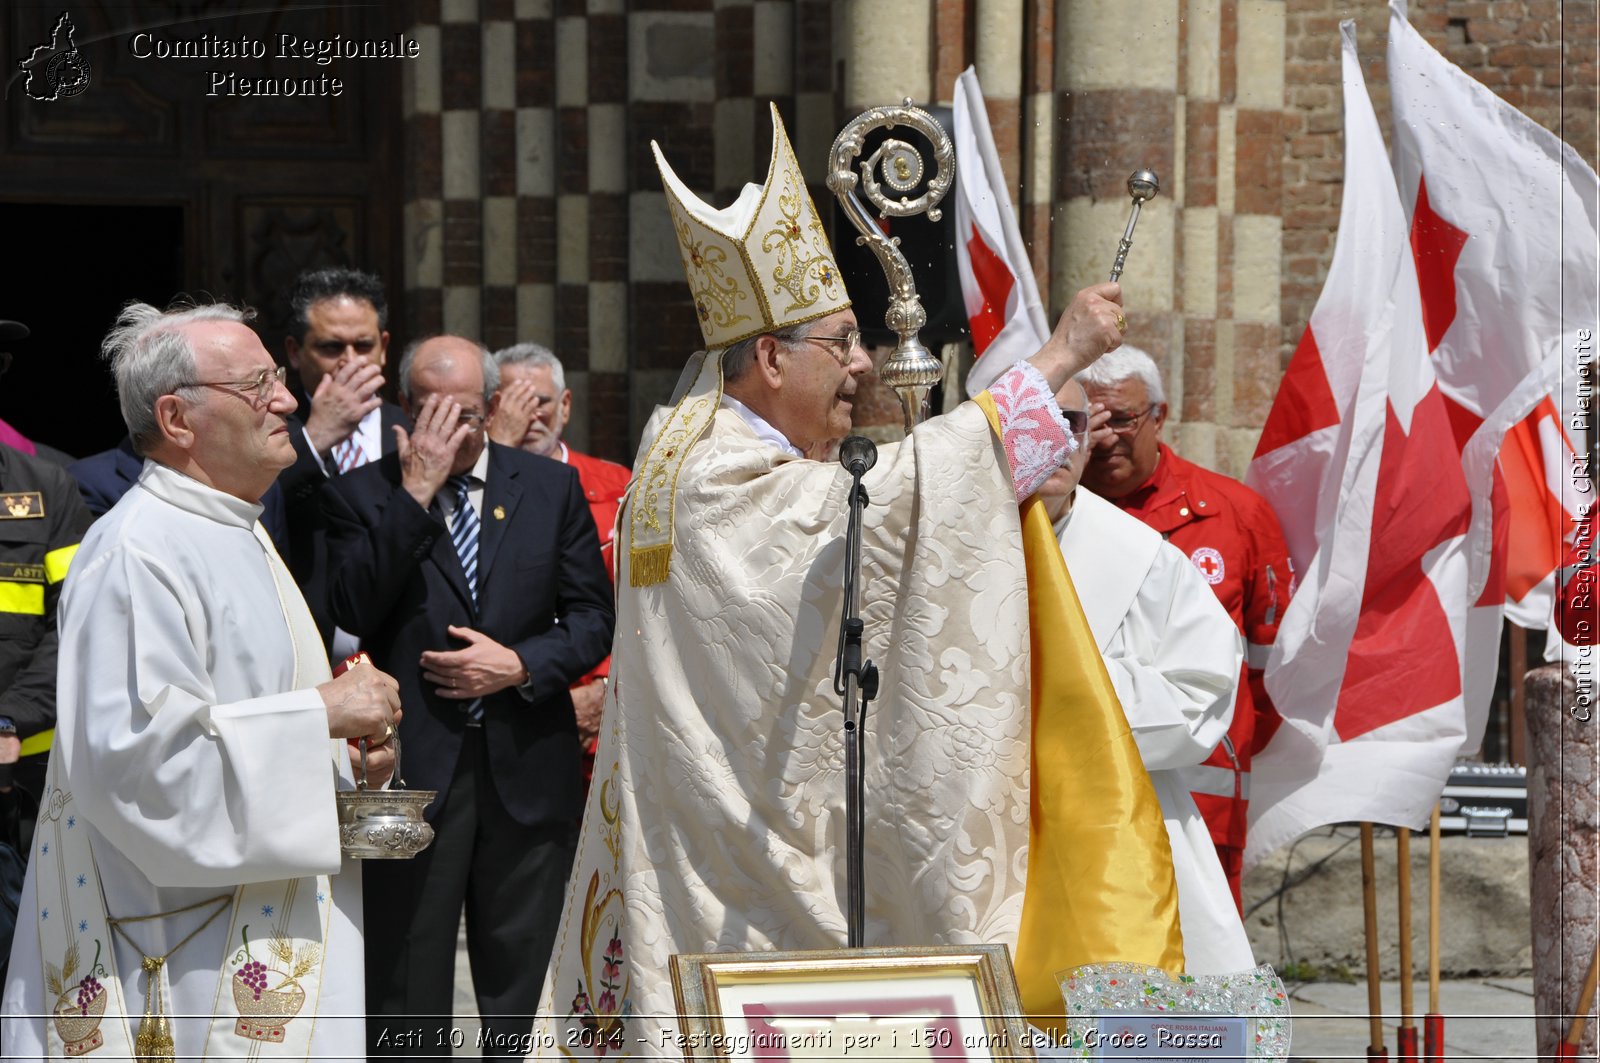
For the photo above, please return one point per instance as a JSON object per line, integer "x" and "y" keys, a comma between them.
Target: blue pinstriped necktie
{"x": 464, "y": 534}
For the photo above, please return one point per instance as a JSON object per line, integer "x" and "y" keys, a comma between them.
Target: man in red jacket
{"x": 1230, "y": 534}
{"x": 530, "y": 411}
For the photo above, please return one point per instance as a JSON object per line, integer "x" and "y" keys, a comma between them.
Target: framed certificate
{"x": 945, "y": 1003}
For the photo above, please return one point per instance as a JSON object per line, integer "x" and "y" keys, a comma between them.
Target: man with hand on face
{"x": 1233, "y": 539}
{"x": 337, "y": 346}
{"x": 471, "y": 570}
{"x": 531, "y": 411}
{"x": 188, "y": 846}
{"x": 1173, "y": 656}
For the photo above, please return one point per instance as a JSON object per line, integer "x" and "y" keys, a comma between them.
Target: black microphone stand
{"x": 857, "y": 682}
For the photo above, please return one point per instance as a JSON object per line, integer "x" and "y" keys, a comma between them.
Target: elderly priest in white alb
{"x": 186, "y": 895}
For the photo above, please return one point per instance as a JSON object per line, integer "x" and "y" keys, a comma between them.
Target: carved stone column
{"x": 1563, "y": 870}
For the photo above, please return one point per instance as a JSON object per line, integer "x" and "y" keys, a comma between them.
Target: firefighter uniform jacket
{"x": 1232, "y": 536}
{"x": 42, "y": 520}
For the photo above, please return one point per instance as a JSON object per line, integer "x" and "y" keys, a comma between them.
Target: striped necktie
{"x": 347, "y": 454}
{"x": 464, "y": 534}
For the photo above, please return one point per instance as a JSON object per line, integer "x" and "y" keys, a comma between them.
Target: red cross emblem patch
{"x": 1209, "y": 562}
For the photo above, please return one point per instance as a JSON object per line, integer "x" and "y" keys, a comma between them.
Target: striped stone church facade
{"x": 532, "y": 209}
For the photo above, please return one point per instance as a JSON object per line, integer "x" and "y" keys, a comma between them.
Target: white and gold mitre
{"x": 762, "y": 263}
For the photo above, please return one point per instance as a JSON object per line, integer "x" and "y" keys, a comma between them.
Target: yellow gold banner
{"x": 1100, "y": 881}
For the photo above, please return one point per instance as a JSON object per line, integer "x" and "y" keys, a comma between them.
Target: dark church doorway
{"x": 72, "y": 267}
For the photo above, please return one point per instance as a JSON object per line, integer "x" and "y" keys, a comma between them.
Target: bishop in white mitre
{"x": 713, "y": 821}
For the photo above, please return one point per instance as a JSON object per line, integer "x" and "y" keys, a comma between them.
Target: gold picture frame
{"x": 935, "y": 1002}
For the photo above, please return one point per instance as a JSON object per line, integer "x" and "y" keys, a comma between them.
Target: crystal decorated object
{"x": 1096, "y": 991}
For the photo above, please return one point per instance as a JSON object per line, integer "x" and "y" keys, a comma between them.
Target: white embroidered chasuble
{"x": 191, "y": 760}
{"x": 1173, "y": 654}
{"x": 715, "y": 820}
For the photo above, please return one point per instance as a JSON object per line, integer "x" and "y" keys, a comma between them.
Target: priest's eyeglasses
{"x": 1128, "y": 423}
{"x": 258, "y": 388}
{"x": 846, "y": 344}
{"x": 1077, "y": 420}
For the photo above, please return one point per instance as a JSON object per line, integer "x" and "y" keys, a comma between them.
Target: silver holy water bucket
{"x": 383, "y": 824}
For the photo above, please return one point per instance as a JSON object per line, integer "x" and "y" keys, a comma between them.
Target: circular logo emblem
{"x": 902, "y": 165}
{"x": 1209, "y": 562}
{"x": 68, "y": 74}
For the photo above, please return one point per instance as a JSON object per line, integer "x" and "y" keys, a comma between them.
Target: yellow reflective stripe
{"x": 57, "y": 561}
{"x": 38, "y": 743}
{"x": 27, "y": 598}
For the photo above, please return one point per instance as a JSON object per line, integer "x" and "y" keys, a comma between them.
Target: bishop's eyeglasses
{"x": 841, "y": 347}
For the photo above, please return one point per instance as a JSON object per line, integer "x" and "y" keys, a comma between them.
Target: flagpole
{"x": 1433, "y": 1024}
{"x": 1406, "y": 1035}
{"x": 1369, "y": 906}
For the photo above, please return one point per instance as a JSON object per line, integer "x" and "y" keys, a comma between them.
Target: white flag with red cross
{"x": 1358, "y": 460}
{"x": 1002, "y": 298}
{"x": 1503, "y": 225}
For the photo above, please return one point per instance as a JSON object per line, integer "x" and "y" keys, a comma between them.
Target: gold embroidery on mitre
{"x": 716, "y": 294}
{"x": 774, "y": 261}
{"x": 804, "y": 265}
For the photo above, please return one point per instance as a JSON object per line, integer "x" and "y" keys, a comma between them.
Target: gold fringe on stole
{"x": 1100, "y": 882}
{"x": 650, "y": 565}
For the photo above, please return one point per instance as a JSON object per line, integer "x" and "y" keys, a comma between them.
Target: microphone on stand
{"x": 858, "y": 454}
{"x": 857, "y": 682}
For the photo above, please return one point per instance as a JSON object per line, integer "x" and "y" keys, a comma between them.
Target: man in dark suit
{"x": 472, "y": 573}
{"x": 338, "y": 345}
{"x": 105, "y": 477}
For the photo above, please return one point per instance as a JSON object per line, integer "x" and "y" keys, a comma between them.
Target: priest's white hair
{"x": 151, "y": 355}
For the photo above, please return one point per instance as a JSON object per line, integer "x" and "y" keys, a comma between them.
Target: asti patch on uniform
{"x": 21, "y": 505}
{"x": 17, "y": 572}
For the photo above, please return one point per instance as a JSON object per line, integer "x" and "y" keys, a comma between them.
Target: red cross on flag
{"x": 1359, "y": 462}
{"x": 1503, "y": 225}
{"x": 997, "y": 284}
